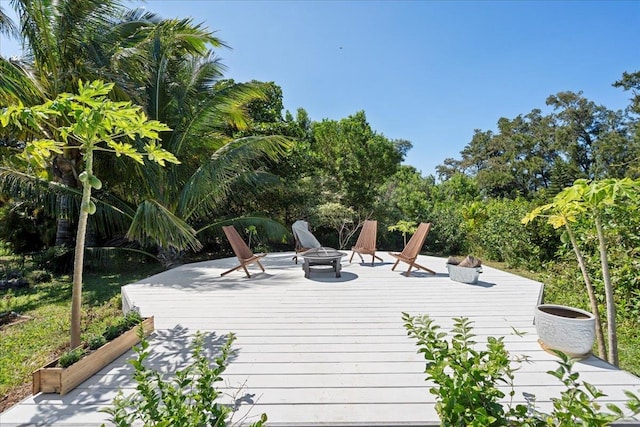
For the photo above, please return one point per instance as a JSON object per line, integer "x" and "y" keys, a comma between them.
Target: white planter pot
{"x": 567, "y": 329}
{"x": 464, "y": 274}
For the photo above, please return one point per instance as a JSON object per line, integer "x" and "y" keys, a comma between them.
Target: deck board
{"x": 323, "y": 351}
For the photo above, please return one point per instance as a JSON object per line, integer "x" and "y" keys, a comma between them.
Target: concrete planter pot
{"x": 566, "y": 329}
{"x": 53, "y": 379}
{"x": 468, "y": 275}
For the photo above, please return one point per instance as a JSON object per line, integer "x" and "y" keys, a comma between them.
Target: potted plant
{"x": 593, "y": 202}
{"x": 465, "y": 271}
{"x": 75, "y": 366}
{"x": 566, "y": 329}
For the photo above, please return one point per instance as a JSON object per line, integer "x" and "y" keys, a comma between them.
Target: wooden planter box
{"x": 54, "y": 379}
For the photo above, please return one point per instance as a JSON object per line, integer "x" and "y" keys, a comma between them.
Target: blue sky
{"x": 426, "y": 71}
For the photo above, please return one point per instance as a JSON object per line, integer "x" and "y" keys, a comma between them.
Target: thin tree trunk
{"x": 78, "y": 262}
{"x": 63, "y": 170}
{"x": 602, "y": 351}
{"x": 608, "y": 292}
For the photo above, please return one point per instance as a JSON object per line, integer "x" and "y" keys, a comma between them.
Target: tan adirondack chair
{"x": 366, "y": 243}
{"x": 242, "y": 251}
{"x": 410, "y": 252}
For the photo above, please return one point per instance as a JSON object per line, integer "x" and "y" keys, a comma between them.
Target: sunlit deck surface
{"x": 322, "y": 351}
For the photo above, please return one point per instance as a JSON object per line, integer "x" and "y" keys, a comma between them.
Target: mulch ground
{"x": 15, "y": 395}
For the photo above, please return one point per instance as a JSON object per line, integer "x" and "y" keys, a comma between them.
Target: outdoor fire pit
{"x": 322, "y": 259}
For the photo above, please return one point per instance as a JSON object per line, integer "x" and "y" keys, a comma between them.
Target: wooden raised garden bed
{"x": 53, "y": 379}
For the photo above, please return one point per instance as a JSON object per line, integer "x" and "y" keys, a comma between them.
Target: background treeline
{"x": 247, "y": 161}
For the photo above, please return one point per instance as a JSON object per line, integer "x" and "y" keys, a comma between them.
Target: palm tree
{"x": 180, "y": 86}
{"x": 167, "y": 67}
{"x": 64, "y": 42}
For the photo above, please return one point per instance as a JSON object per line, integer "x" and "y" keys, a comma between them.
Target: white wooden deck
{"x": 323, "y": 351}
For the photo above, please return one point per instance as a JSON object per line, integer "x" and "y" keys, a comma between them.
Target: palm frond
{"x": 22, "y": 186}
{"x": 64, "y": 202}
{"x": 103, "y": 255}
{"x": 155, "y": 223}
{"x": 17, "y": 84}
{"x": 7, "y": 26}
{"x": 210, "y": 184}
{"x": 252, "y": 183}
{"x": 227, "y": 106}
{"x": 267, "y": 227}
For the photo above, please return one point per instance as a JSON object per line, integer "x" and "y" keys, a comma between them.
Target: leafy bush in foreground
{"x": 189, "y": 399}
{"x": 467, "y": 383}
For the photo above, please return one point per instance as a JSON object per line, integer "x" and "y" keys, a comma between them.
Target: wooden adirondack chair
{"x": 366, "y": 243}
{"x": 410, "y": 252}
{"x": 242, "y": 251}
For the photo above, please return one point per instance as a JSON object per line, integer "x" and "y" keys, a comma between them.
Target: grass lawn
{"x": 26, "y": 346}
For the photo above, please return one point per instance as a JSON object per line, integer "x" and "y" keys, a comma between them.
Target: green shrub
{"x": 39, "y": 276}
{"x": 189, "y": 399}
{"x": 96, "y": 341}
{"x": 576, "y": 404}
{"x": 122, "y": 325}
{"x": 466, "y": 383}
{"x": 113, "y": 331}
{"x": 71, "y": 357}
{"x": 57, "y": 259}
{"x": 466, "y": 379}
{"x": 448, "y": 235}
{"x": 501, "y": 236}
{"x": 132, "y": 319}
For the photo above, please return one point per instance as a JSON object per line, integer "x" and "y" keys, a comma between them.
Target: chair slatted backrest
{"x": 368, "y": 235}
{"x": 414, "y": 245}
{"x": 238, "y": 245}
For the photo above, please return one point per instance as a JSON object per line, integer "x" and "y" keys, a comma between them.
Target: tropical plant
{"x": 181, "y": 86}
{"x": 468, "y": 383}
{"x": 595, "y": 200}
{"x": 466, "y": 379}
{"x": 92, "y": 123}
{"x": 166, "y": 66}
{"x": 561, "y": 213}
{"x": 64, "y": 42}
{"x": 189, "y": 399}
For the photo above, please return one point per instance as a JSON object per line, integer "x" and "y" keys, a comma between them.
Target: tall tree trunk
{"x": 64, "y": 172}
{"x": 602, "y": 351}
{"x": 608, "y": 292}
{"x": 78, "y": 261}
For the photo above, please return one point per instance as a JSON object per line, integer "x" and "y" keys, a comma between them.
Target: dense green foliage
{"x": 468, "y": 380}
{"x": 189, "y": 398}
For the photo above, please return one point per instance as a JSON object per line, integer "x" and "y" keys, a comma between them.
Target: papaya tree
{"x": 563, "y": 212}
{"x": 598, "y": 197}
{"x": 88, "y": 122}
{"x": 593, "y": 200}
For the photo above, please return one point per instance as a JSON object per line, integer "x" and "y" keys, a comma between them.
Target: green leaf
{"x": 159, "y": 155}
{"x": 127, "y": 150}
